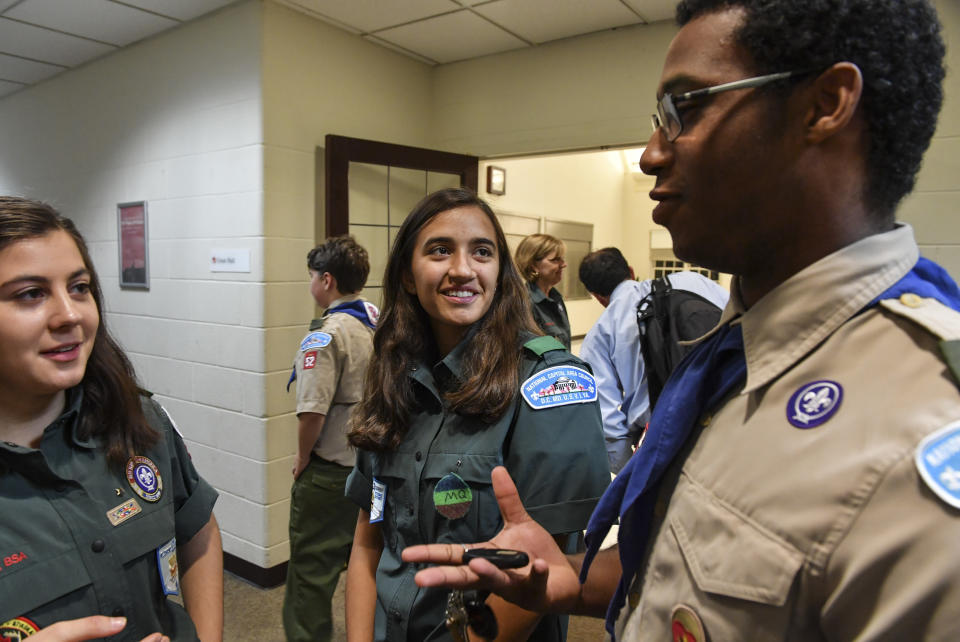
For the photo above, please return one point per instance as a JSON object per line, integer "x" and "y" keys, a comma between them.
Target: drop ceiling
{"x": 42, "y": 38}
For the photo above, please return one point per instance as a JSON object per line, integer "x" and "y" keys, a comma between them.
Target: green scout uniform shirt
{"x": 555, "y": 455}
{"x": 60, "y": 557}
{"x": 550, "y": 313}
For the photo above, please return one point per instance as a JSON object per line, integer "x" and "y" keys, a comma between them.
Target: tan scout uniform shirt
{"x": 772, "y": 532}
{"x": 330, "y": 379}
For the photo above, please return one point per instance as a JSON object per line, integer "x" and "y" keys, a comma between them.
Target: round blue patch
{"x": 814, "y": 403}
{"x": 938, "y": 461}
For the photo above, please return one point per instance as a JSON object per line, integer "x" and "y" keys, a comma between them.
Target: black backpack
{"x": 665, "y": 316}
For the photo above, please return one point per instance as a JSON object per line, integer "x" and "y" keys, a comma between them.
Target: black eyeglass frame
{"x": 667, "y": 104}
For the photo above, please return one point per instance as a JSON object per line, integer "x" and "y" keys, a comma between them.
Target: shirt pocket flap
{"x": 44, "y": 581}
{"x": 473, "y": 468}
{"x": 728, "y": 553}
{"x": 144, "y": 533}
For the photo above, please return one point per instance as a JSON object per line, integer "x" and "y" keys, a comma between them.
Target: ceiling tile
{"x": 9, "y": 87}
{"x": 654, "y": 10}
{"x": 26, "y": 71}
{"x": 180, "y": 9}
{"x": 366, "y": 16}
{"x": 96, "y": 19}
{"x": 48, "y": 46}
{"x": 455, "y": 36}
{"x": 545, "y": 20}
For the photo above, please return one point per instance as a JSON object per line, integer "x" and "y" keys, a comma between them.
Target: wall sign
{"x": 133, "y": 245}
{"x": 227, "y": 260}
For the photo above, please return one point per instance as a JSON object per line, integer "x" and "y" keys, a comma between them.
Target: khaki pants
{"x": 322, "y": 523}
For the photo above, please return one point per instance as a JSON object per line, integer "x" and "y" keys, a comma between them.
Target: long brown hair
{"x": 111, "y": 409}
{"x": 491, "y": 360}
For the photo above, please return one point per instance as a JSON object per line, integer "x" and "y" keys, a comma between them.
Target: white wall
{"x": 317, "y": 80}
{"x": 176, "y": 121}
{"x": 934, "y": 205}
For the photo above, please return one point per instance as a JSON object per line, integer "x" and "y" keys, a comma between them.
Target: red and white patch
{"x": 19, "y": 628}
{"x": 309, "y": 360}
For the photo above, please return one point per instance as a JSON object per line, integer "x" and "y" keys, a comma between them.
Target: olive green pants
{"x": 322, "y": 522}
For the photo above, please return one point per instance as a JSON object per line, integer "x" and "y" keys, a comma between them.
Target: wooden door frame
{"x": 340, "y": 151}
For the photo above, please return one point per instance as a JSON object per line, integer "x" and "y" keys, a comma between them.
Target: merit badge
{"x": 938, "y": 460}
{"x": 310, "y": 360}
{"x": 119, "y": 514}
{"x": 19, "y": 628}
{"x": 167, "y": 565}
{"x": 315, "y": 340}
{"x": 686, "y": 625}
{"x": 559, "y": 386}
{"x": 144, "y": 478}
{"x": 377, "y": 499}
{"x": 452, "y": 496}
{"x": 814, "y": 404}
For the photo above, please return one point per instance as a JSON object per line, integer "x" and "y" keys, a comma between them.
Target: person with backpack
{"x": 612, "y": 347}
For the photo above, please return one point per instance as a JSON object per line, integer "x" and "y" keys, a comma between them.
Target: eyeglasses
{"x": 667, "y": 117}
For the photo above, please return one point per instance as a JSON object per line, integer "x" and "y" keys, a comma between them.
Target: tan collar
{"x": 792, "y": 319}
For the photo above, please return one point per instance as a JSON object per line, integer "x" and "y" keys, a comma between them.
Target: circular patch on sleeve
{"x": 144, "y": 478}
{"x": 17, "y": 629}
{"x": 938, "y": 461}
{"x": 814, "y": 403}
{"x": 686, "y": 626}
{"x": 452, "y": 496}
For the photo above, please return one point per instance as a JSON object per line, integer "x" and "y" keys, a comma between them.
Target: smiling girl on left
{"x": 106, "y": 515}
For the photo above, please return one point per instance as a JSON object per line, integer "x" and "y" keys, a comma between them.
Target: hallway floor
{"x": 252, "y": 614}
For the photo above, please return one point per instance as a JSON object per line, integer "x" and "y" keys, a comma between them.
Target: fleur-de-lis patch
{"x": 814, "y": 403}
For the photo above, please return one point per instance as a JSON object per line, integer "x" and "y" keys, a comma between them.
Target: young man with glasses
{"x": 800, "y": 478}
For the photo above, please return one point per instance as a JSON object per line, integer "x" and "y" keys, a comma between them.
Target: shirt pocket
{"x": 738, "y": 573}
{"x": 482, "y": 519}
{"x": 43, "y": 582}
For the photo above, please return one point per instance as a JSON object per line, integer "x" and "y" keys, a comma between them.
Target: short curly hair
{"x": 344, "y": 259}
{"x": 898, "y": 47}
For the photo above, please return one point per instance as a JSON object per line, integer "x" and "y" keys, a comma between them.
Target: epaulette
{"x": 540, "y": 345}
{"x": 940, "y": 320}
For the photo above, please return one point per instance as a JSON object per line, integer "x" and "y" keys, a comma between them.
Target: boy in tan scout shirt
{"x": 329, "y": 368}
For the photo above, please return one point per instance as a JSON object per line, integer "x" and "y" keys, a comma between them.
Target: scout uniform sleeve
{"x": 359, "y": 487}
{"x": 566, "y": 437}
{"x": 318, "y": 372}
{"x": 193, "y": 497}
{"x": 894, "y": 574}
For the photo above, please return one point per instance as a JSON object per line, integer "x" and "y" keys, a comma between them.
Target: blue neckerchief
{"x": 701, "y": 381}
{"x": 357, "y": 309}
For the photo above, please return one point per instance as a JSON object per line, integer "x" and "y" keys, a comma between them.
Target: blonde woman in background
{"x": 540, "y": 259}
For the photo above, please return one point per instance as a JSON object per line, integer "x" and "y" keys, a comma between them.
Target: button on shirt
{"x": 60, "y": 556}
{"x": 776, "y": 532}
{"x": 612, "y": 348}
{"x": 440, "y": 442}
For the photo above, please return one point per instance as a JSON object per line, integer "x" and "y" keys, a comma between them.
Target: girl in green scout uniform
{"x": 461, "y": 382}
{"x": 104, "y": 515}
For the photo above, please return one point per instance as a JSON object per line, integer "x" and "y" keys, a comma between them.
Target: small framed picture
{"x": 496, "y": 180}
{"x": 133, "y": 245}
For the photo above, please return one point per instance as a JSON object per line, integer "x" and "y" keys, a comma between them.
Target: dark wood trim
{"x": 341, "y": 150}
{"x": 262, "y": 577}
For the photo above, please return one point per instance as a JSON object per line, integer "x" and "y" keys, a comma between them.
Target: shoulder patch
{"x": 559, "y": 386}
{"x": 373, "y": 313}
{"x": 938, "y": 461}
{"x": 539, "y": 345}
{"x": 315, "y": 340}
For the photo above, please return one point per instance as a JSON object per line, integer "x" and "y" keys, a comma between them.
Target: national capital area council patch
{"x": 938, "y": 462}
{"x": 559, "y": 386}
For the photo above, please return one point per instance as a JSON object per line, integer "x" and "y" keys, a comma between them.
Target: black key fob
{"x": 499, "y": 557}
